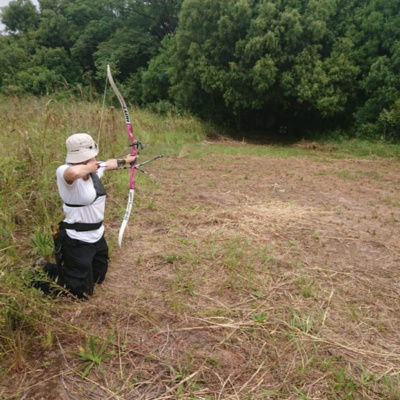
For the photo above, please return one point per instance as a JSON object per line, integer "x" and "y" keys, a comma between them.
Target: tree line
{"x": 283, "y": 66}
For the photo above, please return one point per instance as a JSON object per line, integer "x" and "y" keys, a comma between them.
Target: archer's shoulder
{"x": 60, "y": 173}
{"x": 61, "y": 169}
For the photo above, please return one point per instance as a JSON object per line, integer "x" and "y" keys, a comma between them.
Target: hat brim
{"x": 82, "y": 155}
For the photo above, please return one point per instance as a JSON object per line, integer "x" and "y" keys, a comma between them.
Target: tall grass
{"x": 32, "y": 146}
{"x": 33, "y": 133}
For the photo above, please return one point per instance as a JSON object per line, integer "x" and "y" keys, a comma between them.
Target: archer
{"x": 81, "y": 248}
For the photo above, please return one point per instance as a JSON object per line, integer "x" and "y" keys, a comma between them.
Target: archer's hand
{"x": 92, "y": 165}
{"x": 131, "y": 159}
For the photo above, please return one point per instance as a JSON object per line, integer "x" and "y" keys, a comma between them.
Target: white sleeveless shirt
{"x": 83, "y": 193}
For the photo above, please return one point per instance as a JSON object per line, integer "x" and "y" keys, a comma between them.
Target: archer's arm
{"x": 114, "y": 163}
{"x": 74, "y": 172}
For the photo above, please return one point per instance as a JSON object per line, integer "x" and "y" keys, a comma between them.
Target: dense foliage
{"x": 255, "y": 64}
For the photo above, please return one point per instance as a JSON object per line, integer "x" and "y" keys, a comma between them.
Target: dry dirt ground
{"x": 243, "y": 277}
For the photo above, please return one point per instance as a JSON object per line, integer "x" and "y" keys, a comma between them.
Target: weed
{"x": 305, "y": 285}
{"x": 300, "y": 393}
{"x": 152, "y": 205}
{"x": 343, "y": 385}
{"x": 258, "y": 293}
{"x": 260, "y": 318}
{"x": 391, "y": 386}
{"x": 315, "y": 235}
{"x": 355, "y": 316}
{"x": 183, "y": 282}
{"x": 94, "y": 358}
{"x": 41, "y": 243}
{"x": 303, "y": 322}
{"x": 170, "y": 258}
{"x": 391, "y": 202}
{"x": 213, "y": 362}
{"x": 367, "y": 378}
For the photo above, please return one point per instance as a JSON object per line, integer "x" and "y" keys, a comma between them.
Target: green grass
{"x": 199, "y": 150}
{"x": 364, "y": 149}
{"x": 32, "y": 147}
{"x": 354, "y": 148}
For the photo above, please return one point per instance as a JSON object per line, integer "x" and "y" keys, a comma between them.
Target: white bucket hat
{"x": 80, "y": 147}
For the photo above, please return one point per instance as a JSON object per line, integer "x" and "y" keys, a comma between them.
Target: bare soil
{"x": 243, "y": 277}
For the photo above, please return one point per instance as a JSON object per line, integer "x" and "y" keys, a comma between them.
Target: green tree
{"x": 252, "y": 63}
{"x": 86, "y": 35}
{"x": 13, "y": 56}
{"x": 136, "y": 35}
{"x": 20, "y": 16}
{"x": 377, "y": 45}
{"x": 389, "y": 122}
{"x": 308, "y": 60}
{"x": 261, "y": 55}
{"x": 53, "y": 30}
{"x": 154, "y": 80}
{"x": 205, "y": 75}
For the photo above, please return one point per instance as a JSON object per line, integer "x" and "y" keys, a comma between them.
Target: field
{"x": 247, "y": 272}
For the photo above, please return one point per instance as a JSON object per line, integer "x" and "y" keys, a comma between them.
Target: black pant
{"x": 83, "y": 265}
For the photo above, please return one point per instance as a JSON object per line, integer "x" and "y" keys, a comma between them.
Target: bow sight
{"x": 138, "y": 144}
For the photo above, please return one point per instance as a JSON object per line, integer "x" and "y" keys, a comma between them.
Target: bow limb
{"x": 133, "y": 153}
